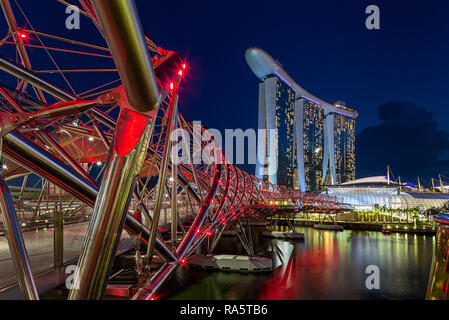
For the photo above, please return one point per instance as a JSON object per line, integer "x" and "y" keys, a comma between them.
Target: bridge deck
{"x": 39, "y": 245}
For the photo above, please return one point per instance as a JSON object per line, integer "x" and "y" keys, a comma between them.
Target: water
{"x": 326, "y": 265}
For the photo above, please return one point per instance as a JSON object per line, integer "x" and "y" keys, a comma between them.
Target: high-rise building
{"x": 315, "y": 145}
{"x": 276, "y": 111}
{"x": 313, "y": 142}
{"x": 344, "y": 133}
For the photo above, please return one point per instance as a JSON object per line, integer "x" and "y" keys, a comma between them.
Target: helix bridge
{"x": 108, "y": 149}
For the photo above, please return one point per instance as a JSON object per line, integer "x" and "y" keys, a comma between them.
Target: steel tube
{"x": 29, "y": 76}
{"x": 58, "y": 238}
{"x": 198, "y": 222}
{"x": 121, "y": 27}
{"x": 111, "y": 207}
{"x": 161, "y": 180}
{"x": 16, "y": 244}
{"x": 174, "y": 188}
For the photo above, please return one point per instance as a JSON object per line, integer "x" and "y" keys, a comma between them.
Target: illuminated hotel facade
{"x": 315, "y": 145}
{"x": 344, "y": 138}
{"x": 276, "y": 111}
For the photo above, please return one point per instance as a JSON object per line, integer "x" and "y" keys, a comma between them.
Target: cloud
{"x": 408, "y": 139}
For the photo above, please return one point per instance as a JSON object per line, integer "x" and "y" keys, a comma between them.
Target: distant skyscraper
{"x": 316, "y": 140}
{"x": 344, "y": 132}
{"x": 276, "y": 111}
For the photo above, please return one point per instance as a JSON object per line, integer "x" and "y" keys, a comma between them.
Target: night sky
{"x": 324, "y": 45}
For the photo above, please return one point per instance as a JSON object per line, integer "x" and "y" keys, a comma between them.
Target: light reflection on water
{"x": 326, "y": 265}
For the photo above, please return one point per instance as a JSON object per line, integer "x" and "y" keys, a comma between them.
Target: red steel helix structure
{"x": 110, "y": 148}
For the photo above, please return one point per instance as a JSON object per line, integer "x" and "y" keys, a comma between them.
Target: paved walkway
{"x": 39, "y": 245}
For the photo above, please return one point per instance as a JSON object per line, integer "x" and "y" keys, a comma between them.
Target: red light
{"x": 198, "y": 231}
{"x": 212, "y": 201}
{"x": 171, "y": 86}
{"x": 136, "y": 122}
{"x": 209, "y": 233}
{"x": 184, "y": 66}
{"x": 180, "y": 73}
{"x": 183, "y": 261}
{"x": 22, "y": 35}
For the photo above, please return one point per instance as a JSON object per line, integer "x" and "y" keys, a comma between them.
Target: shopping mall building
{"x": 377, "y": 192}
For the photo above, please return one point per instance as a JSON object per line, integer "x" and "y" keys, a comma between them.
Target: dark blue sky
{"x": 324, "y": 45}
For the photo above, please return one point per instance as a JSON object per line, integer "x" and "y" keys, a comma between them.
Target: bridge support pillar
{"x": 111, "y": 206}
{"x": 58, "y": 238}
{"x": 16, "y": 244}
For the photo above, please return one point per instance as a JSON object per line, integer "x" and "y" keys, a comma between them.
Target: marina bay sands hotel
{"x": 315, "y": 144}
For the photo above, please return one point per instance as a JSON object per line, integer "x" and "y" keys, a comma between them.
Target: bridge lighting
{"x": 183, "y": 261}
{"x": 209, "y": 234}
{"x": 184, "y": 66}
{"x": 198, "y": 231}
{"x": 171, "y": 86}
{"x": 180, "y": 73}
{"x": 22, "y": 35}
{"x": 212, "y": 201}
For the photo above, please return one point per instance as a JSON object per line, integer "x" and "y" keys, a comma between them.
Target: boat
{"x": 386, "y": 230}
